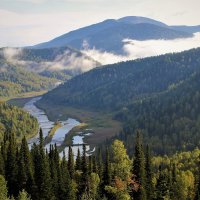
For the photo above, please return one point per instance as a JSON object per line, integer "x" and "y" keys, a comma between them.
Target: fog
{"x": 134, "y": 49}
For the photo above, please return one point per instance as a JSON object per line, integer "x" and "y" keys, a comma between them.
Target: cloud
{"x": 70, "y": 61}
{"x": 140, "y": 49}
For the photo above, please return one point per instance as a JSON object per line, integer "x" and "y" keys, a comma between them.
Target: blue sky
{"x": 27, "y": 22}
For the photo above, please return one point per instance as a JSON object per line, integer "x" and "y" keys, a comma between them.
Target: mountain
{"x": 60, "y": 63}
{"x": 188, "y": 29}
{"x": 109, "y": 34}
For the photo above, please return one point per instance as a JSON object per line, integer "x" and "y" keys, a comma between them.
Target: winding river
{"x": 46, "y": 125}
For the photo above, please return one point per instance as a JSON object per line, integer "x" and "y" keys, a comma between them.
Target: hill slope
{"x": 16, "y": 121}
{"x": 15, "y": 81}
{"x": 115, "y": 86}
{"x": 109, "y": 34}
{"x": 52, "y": 62}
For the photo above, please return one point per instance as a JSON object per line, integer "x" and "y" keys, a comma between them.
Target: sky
{"x": 28, "y": 22}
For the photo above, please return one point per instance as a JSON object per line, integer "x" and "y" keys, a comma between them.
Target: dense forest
{"x": 170, "y": 120}
{"x": 15, "y": 81}
{"x": 38, "y": 174}
{"x": 16, "y": 121}
{"x": 115, "y": 86}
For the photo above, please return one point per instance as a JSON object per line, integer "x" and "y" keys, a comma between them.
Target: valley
{"x": 107, "y": 111}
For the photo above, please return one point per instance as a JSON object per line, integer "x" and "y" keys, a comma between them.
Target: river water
{"x": 59, "y": 136}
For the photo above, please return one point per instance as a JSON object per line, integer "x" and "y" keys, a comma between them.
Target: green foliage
{"x": 15, "y": 80}
{"x": 3, "y": 189}
{"x": 115, "y": 86}
{"x": 23, "y": 195}
{"x": 16, "y": 121}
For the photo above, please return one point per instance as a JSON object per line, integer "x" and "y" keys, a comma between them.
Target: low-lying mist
{"x": 134, "y": 49}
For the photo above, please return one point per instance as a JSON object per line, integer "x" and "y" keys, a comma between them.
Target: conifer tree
{"x": 94, "y": 164}
{"x": 78, "y": 160}
{"x": 43, "y": 172}
{"x": 162, "y": 187}
{"x": 11, "y": 166}
{"x": 2, "y": 172}
{"x": 66, "y": 190}
{"x": 107, "y": 169}
{"x": 25, "y": 174}
{"x": 70, "y": 162}
{"x": 148, "y": 168}
{"x": 139, "y": 168}
{"x": 85, "y": 174}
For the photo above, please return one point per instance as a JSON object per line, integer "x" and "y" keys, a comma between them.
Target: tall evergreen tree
{"x": 25, "y": 174}
{"x": 162, "y": 187}
{"x": 139, "y": 168}
{"x": 42, "y": 171}
{"x": 107, "y": 169}
{"x": 148, "y": 168}
{"x": 78, "y": 160}
{"x": 70, "y": 162}
{"x": 85, "y": 173}
{"x": 66, "y": 189}
{"x": 11, "y": 166}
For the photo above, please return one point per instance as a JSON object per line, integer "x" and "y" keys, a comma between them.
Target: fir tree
{"x": 139, "y": 168}
{"x": 11, "y": 166}
{"x": 70, "y": 162}
{"x": 148, "y": 168}
{"x": 107, "y": 169}
{"x": 78, "y": 160}
{"x": 162, "y": 187}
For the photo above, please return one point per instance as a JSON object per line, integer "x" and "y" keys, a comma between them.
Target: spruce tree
{"x": 139, "y": 169}
{"x": 148, "y": 168}
{"x": 162, "y": 187}
{"x": 107, "y": 169}
{"x": 70, "y": 162}
{"x": 78, "y": 160}
{"x": 42, "y": 171}
{"x": 25, "y": 174}
{"x": 2, "y": 172}
{"x": 11, "y": 167}
{"x": 66, "y": 190}
{"x": 85, "y": 174}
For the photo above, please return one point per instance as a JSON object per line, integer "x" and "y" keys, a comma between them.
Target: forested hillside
{"x": 60, "y": 63}
{"x": 15, "y": 80}
{"x": 170, "y": 120}
{"x": 16, "y": 121}
{"x": 115, "y": 86}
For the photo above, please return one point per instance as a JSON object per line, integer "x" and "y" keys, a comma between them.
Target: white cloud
{"x": 140, "y": 49}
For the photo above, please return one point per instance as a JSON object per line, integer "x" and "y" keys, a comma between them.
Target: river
{"x": 46, "y": 125}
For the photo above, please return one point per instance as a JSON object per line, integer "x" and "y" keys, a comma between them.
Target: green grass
{"x": 52, "y": 132}
{"x": 23, "y": 99}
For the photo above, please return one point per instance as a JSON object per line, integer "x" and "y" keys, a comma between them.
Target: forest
{"x": 118, "y": 85}
{"x": 15, "y": 81}
{"x": 16, "y": 121}
{"x": 40, "y": 175}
